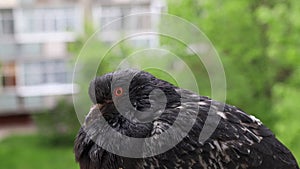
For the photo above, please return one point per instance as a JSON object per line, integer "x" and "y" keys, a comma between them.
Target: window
{"x": 138, "y": 22}
{"x": 46, "y": 72}
{"x": 49, "y": 20}
{"x": 108, "y": 15}
{"x": 30, "y": 49}
{"x": 26, "y": 2}
{"x": 33, "y": 102}
{"x": 8, "y": 101}
{"x": 8, "y": 74}
{"x": 7, "y": 50}
{"x": 10, "y": 51}
{"x": 6, "y": 22}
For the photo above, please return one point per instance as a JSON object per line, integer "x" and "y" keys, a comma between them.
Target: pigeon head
{"x": 104, "y": 89}
{"x": 137, "y": 95}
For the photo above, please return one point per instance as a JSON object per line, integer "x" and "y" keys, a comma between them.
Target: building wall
{"x": 34, "y": 35}
{"x": 33, "y": 53}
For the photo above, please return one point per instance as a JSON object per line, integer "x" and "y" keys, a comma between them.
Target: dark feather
{"x": 239, "y": 141}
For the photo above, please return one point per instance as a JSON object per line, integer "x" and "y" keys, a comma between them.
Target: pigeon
{"x": 138, "y": 121}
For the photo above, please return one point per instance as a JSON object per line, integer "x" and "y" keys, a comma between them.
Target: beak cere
{"x": 93, "y": 114}
{"x": 95, "y": 111}
{"x": 99, "y": 106}
{"x": 96, "y": 106}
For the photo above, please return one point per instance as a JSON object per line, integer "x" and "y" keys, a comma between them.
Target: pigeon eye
{"x": 118, "y": 91}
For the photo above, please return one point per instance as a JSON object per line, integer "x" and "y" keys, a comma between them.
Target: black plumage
{"x": 239, "y": 141}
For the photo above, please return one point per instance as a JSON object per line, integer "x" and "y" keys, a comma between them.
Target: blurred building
{"x": 34, "y": 37}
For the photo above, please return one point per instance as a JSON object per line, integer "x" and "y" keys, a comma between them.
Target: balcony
{"x": 59, "y": 24}
{"x": 117, "y": 22}
{"x": 30, "y": 84}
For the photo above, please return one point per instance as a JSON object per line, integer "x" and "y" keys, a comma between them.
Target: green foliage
{"x": 28, "y": 152}
{"x": 286, "y": 99}
{"x": 228, "y": 24}
{"x": 258, "y": 42}
{"x": 59, "y": 125}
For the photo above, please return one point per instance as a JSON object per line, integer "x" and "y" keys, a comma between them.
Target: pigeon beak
{"x": 96, "y": 106}
{"x": 99, "y": 106}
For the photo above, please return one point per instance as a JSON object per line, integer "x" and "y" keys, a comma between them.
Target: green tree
{"x": 258, "y": 42}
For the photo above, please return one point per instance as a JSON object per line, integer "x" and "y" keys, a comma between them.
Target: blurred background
{"x": 258, "y": 43}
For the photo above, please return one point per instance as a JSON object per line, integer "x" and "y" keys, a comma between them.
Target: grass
{"x": 30, "y": 152}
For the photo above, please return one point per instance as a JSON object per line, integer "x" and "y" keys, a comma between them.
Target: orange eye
{"x": 118, "y": 91}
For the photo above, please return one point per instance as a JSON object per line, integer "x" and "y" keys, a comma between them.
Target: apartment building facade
{"x": 35, "y": 66}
